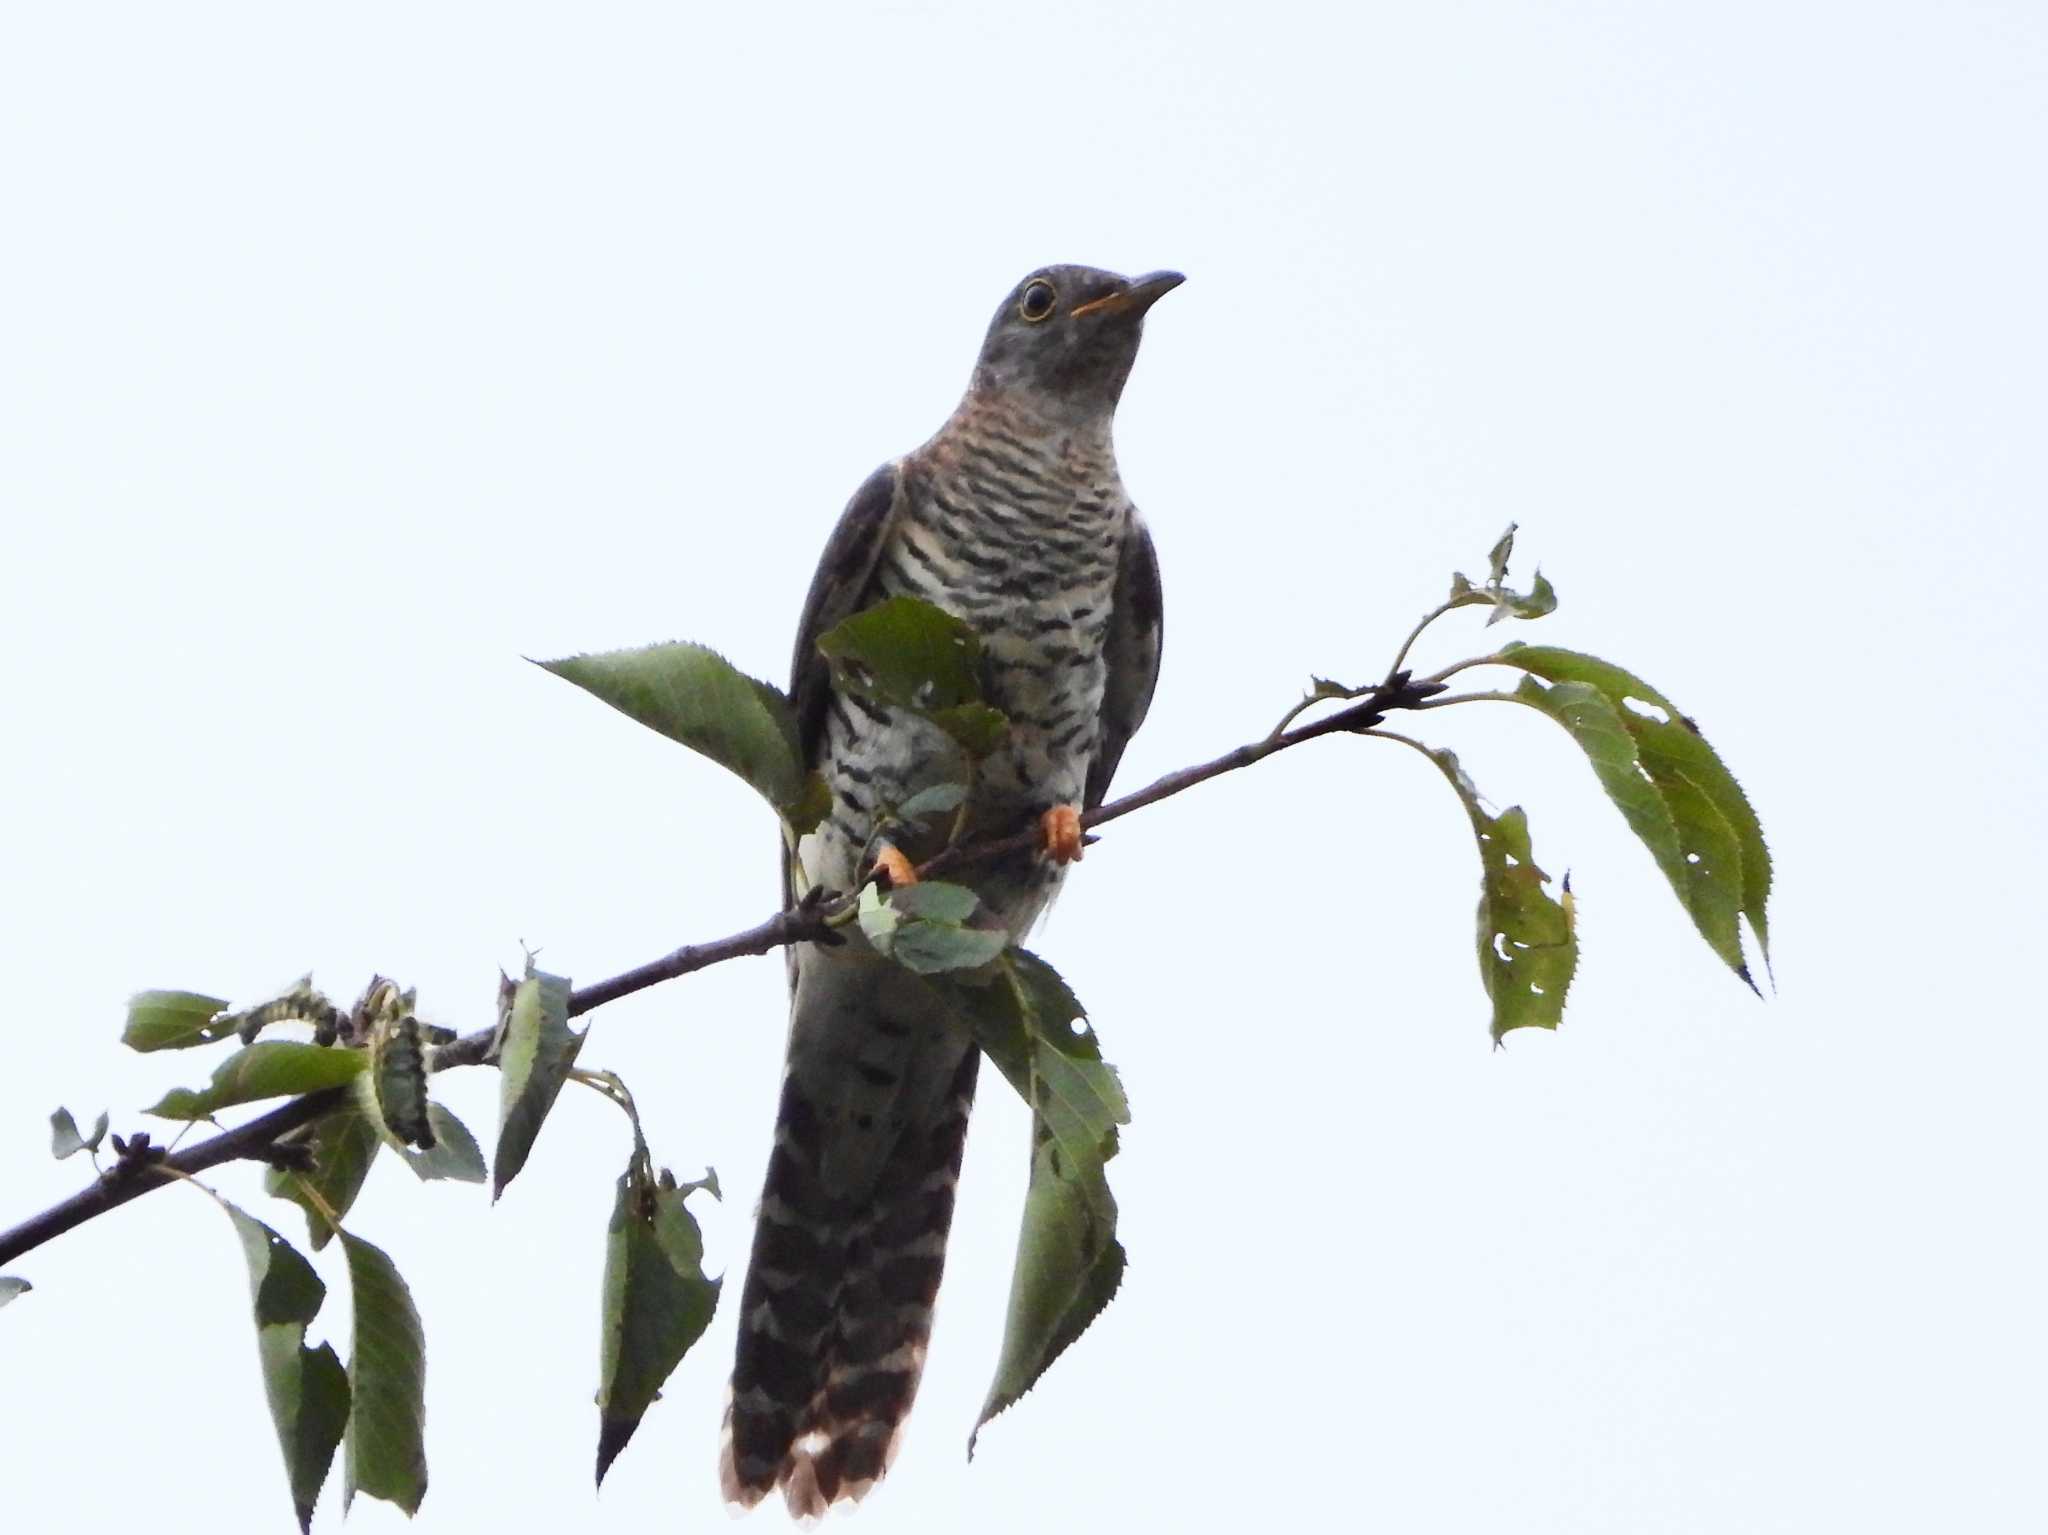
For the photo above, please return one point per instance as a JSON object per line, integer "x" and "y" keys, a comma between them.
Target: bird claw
{"x": 898, "y": 870}
{"x": 1059, "y": 834}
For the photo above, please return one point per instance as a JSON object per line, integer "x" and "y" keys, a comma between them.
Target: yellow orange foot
{"x": 889, "y": 860}
{"x": 1059, "y": 833}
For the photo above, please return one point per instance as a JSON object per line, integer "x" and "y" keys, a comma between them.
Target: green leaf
{"x": 10, "y": 1287}
{"x": 935, "y": 901}
{"x": 344, "y": 1144}
{"x": 939, "y": 799}
{"x": 1527, "y": 946}
{"x": 65, "y": 1140}
{"x": 173, "y": 1020}
{"x": 387, "y": 1372}
{"x": 1069, "y": 1262}
{"x": 695, "y": 696}
{"x": 535, "y": 1059}
{"x": 1726, "y": 865}
{"x": 454, "y": 1154}
{"x": 922, "y": 927}
{"x": 657, "y": 1300}
{"x": 907, "y": 654}
{"x": 268, "y": 1069}
{"x": 307, "y": 1387}
{"x": 1541, "y": 598}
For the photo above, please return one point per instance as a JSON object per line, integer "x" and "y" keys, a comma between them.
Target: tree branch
{"x": 809, "y": 921}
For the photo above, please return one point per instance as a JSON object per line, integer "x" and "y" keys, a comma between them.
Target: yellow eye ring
{"x": 1037, "y": 301}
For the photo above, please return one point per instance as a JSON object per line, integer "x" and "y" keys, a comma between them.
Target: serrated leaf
{"x": 268, "y": 1069}
{"x": 173, "y": 1020}
{"x": 1528, "y": 949}
{"x": 1069, "y": 1262}
{"x": 10, "y": 1287}
{"x": 935, "y": 900}
{"x": 657, "y": 1302}
{"x": 307, "y": 1388}
{"x": 455, "y": 1154}
{"x": 694, "y": 696}
{"x": 387, "y": 1372}
{"x": 906, "y": 652}
{"x": 534, "y": 1061}
{"x": 1720, "y": 840}
{"x": 922, "y": 927}
{"x": 344, "y": 1144}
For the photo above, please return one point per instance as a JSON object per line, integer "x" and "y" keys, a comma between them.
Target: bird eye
{"x": 1038, "y": 300}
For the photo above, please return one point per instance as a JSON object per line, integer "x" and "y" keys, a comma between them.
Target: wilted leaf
{"x": 307, "y": 1387}
{"x": 695, "y": 696}
{"x": 269, "y": 1069}
{"x": 1069, "y": 1261}
{"x": 1726, "y": 866}
{"x": 1541, "y": 598}
{"x": 1527, "y": 947}
{"x": 173, "y": 1020}
{"x": 10, "y": 1287}
{"x": 387, "y": 1372}
{"x": 534, "y": 1061}
{"x": 343, "y": 1144}
{"x": 657, "y": 1301}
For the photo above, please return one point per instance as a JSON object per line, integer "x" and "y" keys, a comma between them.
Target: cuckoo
{"x": 1012, "y": 517}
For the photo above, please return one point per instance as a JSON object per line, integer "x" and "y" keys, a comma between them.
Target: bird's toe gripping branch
{"x": 1059, "y": 834}
{"x": 890, "y": 861}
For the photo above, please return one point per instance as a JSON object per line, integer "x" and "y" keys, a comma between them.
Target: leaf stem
{"x": 805, "y": 923}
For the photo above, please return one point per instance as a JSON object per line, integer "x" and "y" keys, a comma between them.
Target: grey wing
{"x": 838, "y": 590}
{"x": 1132, "y": 651}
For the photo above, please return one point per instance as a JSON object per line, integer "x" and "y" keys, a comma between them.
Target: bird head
{"x": 1066, "y": 337}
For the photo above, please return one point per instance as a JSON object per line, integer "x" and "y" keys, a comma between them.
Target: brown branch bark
{"x": 808, "y": 922}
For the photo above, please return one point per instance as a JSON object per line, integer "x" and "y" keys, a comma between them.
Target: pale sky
{"x": 348, "y": 357}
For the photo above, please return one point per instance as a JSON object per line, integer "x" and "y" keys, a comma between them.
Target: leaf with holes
{"x": 1726, "y": 865}
{"x": 1069, "y": 1262}
{"x": 307, "y": 1388}
{"x": 273, "y": 1068}
{"x": 907, "y": 654}
{"x": 694, "y": 696}
{"x": 538, "y": 1052}
{"x": 387, "y": 1372}
{"x": 1527, "y": 946}
{"x": 657, "y": 1300}
{"x": 174, "y": 1020}
{"x": 343, "y": 1145}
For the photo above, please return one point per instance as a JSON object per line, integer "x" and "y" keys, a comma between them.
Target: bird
{"x": 1012, "y": 517}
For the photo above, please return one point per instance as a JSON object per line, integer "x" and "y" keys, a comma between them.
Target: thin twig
{"x": 809, "y": 921}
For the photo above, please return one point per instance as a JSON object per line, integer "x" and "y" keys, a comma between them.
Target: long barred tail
{"x": 837, "y": 1309}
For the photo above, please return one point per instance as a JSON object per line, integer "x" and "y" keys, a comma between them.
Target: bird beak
{"x": 1134, "y": 298}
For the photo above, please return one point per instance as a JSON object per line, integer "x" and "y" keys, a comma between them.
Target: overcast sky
{"x": 346, "y": 357}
